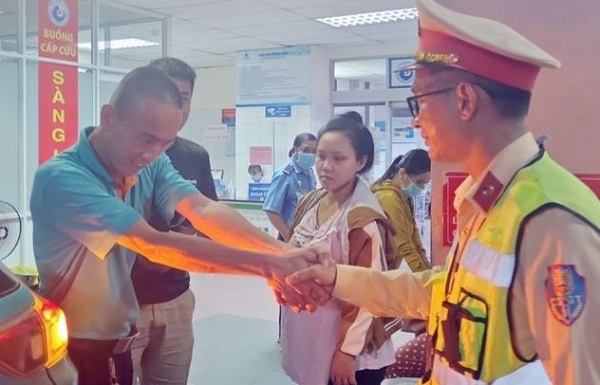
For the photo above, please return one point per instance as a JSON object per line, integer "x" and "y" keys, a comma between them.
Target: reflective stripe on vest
{"x": 530, "y": 374}
{"x": 489, "y": 264}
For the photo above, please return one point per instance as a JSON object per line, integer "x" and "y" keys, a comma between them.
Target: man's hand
{"x": 324, "y": 274}
{"x": 303, "y": 296}
{"x": 343, "y": 369}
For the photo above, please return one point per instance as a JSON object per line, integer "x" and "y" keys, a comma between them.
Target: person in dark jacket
{"x": 162, "y": 353}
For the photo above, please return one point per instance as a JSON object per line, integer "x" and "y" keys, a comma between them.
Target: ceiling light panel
{"x": 405, "y": 14}
{"x": 120, "y": 44}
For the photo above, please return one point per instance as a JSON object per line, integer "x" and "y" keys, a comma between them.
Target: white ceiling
{"x": 208, "y": 33}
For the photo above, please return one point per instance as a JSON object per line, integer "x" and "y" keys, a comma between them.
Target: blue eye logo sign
{"x": 405, "y": 75}
{"x": 58, "y": 12}
{"x": 399, "y": 77}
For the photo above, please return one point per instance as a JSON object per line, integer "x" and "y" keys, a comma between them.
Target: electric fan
{"x": 10, "y": 229}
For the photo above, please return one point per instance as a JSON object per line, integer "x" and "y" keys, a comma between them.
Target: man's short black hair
{"x": 176, "y": 68}
{"x": 144, "y": 83}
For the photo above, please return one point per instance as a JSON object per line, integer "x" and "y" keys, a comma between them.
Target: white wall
{"x": 215, "y": 88}
{"x": 405, "y": 45}
{"x": 220, "y": 82}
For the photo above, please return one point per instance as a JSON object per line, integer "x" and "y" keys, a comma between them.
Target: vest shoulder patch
{"x": 565, "y": 293}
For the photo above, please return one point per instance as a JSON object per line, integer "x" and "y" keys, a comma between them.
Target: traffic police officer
{"x": 516, "y": 303}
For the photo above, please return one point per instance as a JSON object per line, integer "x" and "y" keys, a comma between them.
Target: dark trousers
{"x": 93, "y": 365}
{"x": 368, "y": 377}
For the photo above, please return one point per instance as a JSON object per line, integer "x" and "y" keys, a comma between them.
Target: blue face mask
{"x": 413, "y": 190}
{"x": 306, "y": 160}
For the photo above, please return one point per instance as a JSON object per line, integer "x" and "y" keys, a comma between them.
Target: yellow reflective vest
{"x": 470, "y": 311}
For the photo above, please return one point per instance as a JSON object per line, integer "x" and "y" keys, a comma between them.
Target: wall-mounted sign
{"x": 216, "y": 133}
{"x": 280, "y": 75}
{"x": 402, "y": 131}
{"x": 278, "y": 111}
{"x": 400, "y": 78}
{"x": 228, "y": 117}
{"x": 261, "y": 155}
{"x": 258, "y": 191}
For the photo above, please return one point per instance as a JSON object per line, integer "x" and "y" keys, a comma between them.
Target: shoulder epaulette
{"x": 288, "y": 169}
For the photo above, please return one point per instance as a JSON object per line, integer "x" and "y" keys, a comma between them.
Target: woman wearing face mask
{"x": 405, "y": 179}
{"x": 290, "y": 182}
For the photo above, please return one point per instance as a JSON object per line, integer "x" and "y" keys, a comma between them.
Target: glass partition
{"x": 10, "y": 149}
{"x": 128, "y": 39}
{"x": 9, "y": 25}
{"x": 360, "y": 75}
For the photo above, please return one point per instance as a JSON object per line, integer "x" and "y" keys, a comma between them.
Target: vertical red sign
{"x": 58, "y": 25}
{"x": 592, "y": 181}
{"x": 454, "y": 179}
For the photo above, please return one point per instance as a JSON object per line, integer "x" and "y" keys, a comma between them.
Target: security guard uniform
{"x": 289, "y": 184}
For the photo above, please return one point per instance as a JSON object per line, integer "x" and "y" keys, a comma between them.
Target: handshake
{"x": 303, "y": 278}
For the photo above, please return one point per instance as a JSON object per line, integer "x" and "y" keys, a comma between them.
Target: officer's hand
{"x": 304, "y": 295}
{"x": 323, "y": 274}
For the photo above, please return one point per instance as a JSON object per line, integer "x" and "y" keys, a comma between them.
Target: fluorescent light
{"x": 404, "y": 14}
{"x": 119, "y": 44}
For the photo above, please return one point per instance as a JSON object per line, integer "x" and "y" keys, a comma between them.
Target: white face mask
{"x": 256, "y": 177}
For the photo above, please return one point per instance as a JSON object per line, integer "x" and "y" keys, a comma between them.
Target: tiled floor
{"x": 235, "y": 325}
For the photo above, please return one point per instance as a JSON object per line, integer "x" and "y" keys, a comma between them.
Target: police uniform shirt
{"x": 289, "y": 184}
{"x": 554, "y": 237}
{"x": 564, "y": 337}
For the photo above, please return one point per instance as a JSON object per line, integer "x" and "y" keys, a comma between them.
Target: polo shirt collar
{"x": 91, "y": 160}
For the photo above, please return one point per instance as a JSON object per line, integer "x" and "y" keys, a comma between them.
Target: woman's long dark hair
{"x": 414, "y": 162}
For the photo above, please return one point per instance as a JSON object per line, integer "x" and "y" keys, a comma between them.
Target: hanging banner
{"x": 58, "y": 25}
